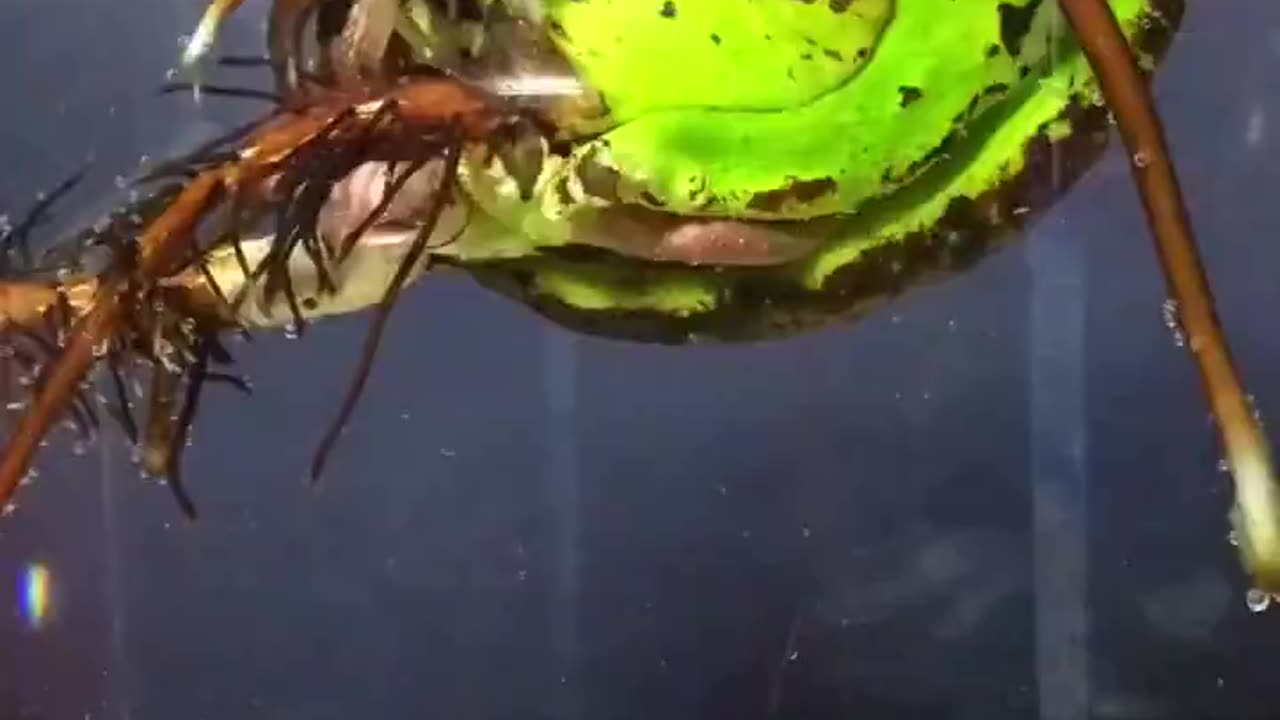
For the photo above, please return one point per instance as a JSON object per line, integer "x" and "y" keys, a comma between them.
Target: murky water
{"x": 996, "y": 498}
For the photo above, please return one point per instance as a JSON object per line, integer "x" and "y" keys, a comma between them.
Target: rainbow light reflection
{"x": 35, "y": 594}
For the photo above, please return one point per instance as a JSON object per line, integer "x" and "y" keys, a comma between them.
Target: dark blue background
{"x": 996, "y": 498}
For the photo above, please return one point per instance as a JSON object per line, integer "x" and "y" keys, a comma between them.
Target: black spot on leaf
{"x": 1015, "y": 23}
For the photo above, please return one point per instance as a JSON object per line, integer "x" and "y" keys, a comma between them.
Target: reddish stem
{"x": 1257, "y": 512}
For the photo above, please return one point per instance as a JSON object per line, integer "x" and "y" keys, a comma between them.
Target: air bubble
{"x": 1252, "y": 402}
{"x": 1257, "y": 600}
{"x": 1223, "y": 465}
{"x": 1141, "y": 159}
{"x": 1169, "y": 311}
{"x": 1233, "y": 538}
{"x": 291, "y": 330}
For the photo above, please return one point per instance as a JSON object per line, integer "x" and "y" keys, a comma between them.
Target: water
{"x": 997, "y": 478}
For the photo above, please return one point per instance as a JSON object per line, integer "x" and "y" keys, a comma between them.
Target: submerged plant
{"x": 660, "y": 171}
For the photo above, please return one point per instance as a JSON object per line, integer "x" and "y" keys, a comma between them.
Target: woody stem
{"x": 1257, "y": 506}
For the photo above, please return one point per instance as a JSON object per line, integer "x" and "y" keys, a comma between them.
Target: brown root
{"x": 160, "y": 303}
{"x": 284, "y": 43}
{"x": 352, "y": 54}
{"x": 383, "y": 313}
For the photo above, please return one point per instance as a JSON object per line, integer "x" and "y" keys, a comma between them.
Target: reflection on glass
{"x": 35, "y": 594}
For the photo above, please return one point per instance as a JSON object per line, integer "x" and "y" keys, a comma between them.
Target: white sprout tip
{"x": 201, "y": 42}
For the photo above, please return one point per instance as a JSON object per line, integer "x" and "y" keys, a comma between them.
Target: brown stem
{"x": 1257, "y": 511}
